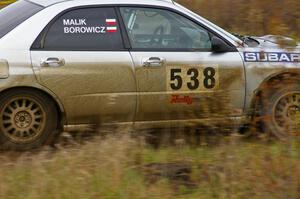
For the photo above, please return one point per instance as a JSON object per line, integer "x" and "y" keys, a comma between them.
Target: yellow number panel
{"x": 192, "y": 78}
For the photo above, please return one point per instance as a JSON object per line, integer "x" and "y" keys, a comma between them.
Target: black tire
{"x": 28, "y": 120}
{"x": 281, "y": 109}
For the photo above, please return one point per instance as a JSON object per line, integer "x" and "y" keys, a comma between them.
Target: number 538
{"x": 192, "y": 79}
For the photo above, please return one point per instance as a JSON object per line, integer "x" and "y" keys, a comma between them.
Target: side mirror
{"x": 220, "y": 46}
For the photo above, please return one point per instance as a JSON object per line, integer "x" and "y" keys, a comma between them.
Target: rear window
{"x": 16, "y": 13}
{"x": 85, "y": 29}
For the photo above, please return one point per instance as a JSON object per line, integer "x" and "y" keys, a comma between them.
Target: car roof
{"x": 47, "y": 3}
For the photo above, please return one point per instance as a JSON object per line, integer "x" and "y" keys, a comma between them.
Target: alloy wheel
{"x": 23, "y": 119}
{"x": 287, "y": 114}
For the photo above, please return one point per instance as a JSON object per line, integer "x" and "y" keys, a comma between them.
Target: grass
{"x": 118, "y": 167}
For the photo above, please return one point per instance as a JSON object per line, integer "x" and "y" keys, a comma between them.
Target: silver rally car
{"x": 152, "y": 63}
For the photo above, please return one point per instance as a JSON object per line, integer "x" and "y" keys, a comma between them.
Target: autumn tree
{"x": 252, "y": 17}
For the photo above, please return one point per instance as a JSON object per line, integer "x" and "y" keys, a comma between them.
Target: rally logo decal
{"x": 178, "y": 99}
{"x": 271, "y": 57}
{"x": 80, "y": 26}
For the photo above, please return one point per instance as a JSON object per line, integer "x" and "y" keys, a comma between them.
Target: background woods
{"x": 3, "y": 3}
{"x": 250, "y": 17}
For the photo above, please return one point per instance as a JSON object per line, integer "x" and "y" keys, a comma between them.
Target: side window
{"x": 150, "y": 28}
{"x": 85, "y": 29}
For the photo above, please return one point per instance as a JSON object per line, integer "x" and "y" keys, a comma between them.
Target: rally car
{"x": 67, "y": 64}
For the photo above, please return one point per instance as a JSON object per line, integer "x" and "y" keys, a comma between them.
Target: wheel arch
{"x": 59, "y": 106}
{"x": 286, "y": 75}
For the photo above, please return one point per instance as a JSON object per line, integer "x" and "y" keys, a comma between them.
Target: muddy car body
{"x": 149, "y": 63}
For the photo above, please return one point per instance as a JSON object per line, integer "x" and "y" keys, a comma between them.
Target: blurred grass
{"x": 114, "y": 169}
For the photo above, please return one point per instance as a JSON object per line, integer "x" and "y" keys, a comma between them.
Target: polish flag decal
{"x": 111, "y": 22}
{"x": 111, "y": 29}
{"x": 112, "y": 25}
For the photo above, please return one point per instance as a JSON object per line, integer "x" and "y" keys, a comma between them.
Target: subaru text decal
{"x": 271, "y": 57}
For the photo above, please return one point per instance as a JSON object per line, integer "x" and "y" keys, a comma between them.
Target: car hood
{"x": 277, "y": 41}
{"x": 273, "y": 49}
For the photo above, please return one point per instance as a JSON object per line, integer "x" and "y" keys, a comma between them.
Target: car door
{"x": 80, "y": 56}
{"x": 178, "y": 75}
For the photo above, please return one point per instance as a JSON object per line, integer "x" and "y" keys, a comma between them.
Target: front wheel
{"x": 281, "y": 110}
{"x": 28, "y": 119}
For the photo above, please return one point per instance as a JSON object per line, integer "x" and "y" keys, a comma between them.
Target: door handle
{"x": 154, "y": 61}
{"x": 52, "y": 62}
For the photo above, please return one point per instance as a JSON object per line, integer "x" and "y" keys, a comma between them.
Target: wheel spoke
{"x": 21, "y": 134}
{"x": 25, "y": 133}
{"x": 31, "y": 104}
{"x": 24, "y": 103}
{"x": 7, "y": 114}
{"x": 281, "y": 105}
{"x": 31, "y": 132}
{"x": 11, "y": 108}
{"x": 6, "y": 121}
{"x": 16, "y": 104}
{"x": 292, "y": 99}
{"x": 13, "y": 132}
{"x": 37, "y": 117}
{"x": 298, "y": 98}
{"x": 35, "y": 110}
{"x": 17, "y": 133}
{"x": 10, "y": 128}
{"x": 36, "y": 125}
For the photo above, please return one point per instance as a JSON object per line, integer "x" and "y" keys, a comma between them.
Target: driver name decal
{"x": 80, "y": 26}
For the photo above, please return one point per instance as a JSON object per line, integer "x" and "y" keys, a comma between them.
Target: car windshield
{"x": 16, "y": 13}
{"x": 233, "y": 37}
